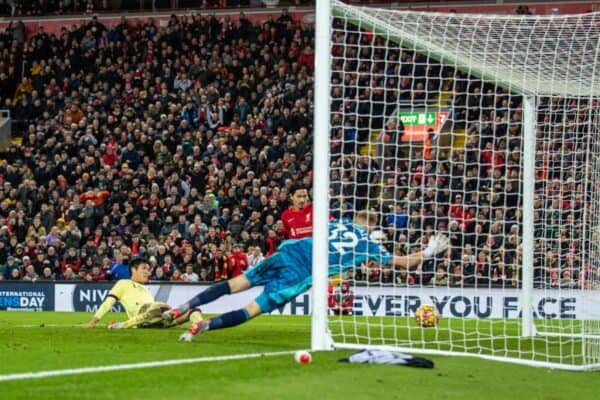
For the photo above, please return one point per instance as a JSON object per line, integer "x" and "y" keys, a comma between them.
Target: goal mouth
{"x": 483, "y": 128}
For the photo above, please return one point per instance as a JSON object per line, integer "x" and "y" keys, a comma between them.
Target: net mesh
{"x": 427, "y": 130}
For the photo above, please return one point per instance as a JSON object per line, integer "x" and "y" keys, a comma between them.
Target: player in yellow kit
{"x": 142, "y": 310}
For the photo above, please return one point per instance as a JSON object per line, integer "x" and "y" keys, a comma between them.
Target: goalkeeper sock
{"x": 210, "y": 294}
{"x": 229, "y": 319}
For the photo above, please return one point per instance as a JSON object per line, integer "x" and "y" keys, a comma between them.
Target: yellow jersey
{"x": 130, "y": 294}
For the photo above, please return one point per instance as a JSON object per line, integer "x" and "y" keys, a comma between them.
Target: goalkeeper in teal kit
{"x": 288, "y": 272}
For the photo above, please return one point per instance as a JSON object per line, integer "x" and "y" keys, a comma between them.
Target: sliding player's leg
{"x": 226, "y": 320}
{"x": 149, "y": 315}
{"x": 194, "y": 315}
{"x": 277, "y": 293}
{"x": 234, "y": 285}
{"x": 263, "y": 272}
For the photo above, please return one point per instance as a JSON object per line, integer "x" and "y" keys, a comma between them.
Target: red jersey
{"x": 297, "y": 224}
{"x": 272, "y": 244}
{"x": 307, "y": 60}
{"x": 237, "y": 263}
{"x": 109, "y": 159}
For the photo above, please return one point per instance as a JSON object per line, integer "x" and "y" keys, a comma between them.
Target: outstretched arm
{"x": 437, "y": 244}
{"x": 130, "y": 323}
{"x": 409, "y": 261}
{"x": 104, "y": 308}
{"x": 114, "y": 295}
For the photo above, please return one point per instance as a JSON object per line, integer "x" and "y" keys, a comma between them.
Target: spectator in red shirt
{"x": 272, "y": 242}
{"x": 456, "y": 210}
{"x": 221, "y": 265}
{"x": 340, "y": 302}
{"x": 297, "y": 220}
{"x": 491, "y": 158}
{"x": 238, "y": 261}
{"x": 110, "y": 157}
{"x": 97, "y": 274}
{"x": 71, "y": 260}
{"x": 307, "y": 58}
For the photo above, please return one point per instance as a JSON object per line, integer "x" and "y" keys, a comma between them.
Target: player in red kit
{"x": 297, "y": 220}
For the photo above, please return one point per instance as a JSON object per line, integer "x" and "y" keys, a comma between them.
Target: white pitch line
{"x": 100, "y": 326}
{"x": 149, "y": 364}
{"x": 45, "y": 326}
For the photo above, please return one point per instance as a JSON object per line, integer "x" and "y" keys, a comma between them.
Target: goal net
{"x": 485, "y": 128}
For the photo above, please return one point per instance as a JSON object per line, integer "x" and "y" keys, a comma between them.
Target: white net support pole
{"x": 319, "y": 335}
{"x": 529, "y": 124}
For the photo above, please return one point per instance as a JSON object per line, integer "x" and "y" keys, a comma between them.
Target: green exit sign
{"x": 418, "y": 118}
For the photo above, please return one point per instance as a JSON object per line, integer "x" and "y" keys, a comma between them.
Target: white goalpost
{"x": 320, "y": 339}
{"x": 485, "y": 128}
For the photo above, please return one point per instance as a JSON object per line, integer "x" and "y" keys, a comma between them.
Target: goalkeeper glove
{"x": 437, "y": 244}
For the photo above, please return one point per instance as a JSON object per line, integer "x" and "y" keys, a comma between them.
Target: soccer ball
{"x": 302, "y": 357}
{"x": 427, "y": 316}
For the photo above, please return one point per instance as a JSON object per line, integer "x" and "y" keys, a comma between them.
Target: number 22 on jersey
{"x": 342, "y": 239}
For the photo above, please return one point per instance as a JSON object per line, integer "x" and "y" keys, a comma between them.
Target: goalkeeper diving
{"x": 288, "y": 272}
{"x": 142, "y": 310}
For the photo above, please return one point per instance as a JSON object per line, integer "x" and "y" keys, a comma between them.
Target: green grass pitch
{"x": 32, "y": 342}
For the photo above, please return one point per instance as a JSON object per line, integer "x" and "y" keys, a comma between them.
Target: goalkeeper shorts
{"x": 282, "y": 279}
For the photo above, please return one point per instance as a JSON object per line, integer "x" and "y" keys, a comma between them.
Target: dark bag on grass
{"x": 387, "y": 358}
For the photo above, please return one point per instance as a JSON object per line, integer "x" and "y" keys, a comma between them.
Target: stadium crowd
{"x": 472, "y": 192}
{"x": 181, "y": 143}
{"x": 17, "y": 8}
{"x": 173, "y": 142}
